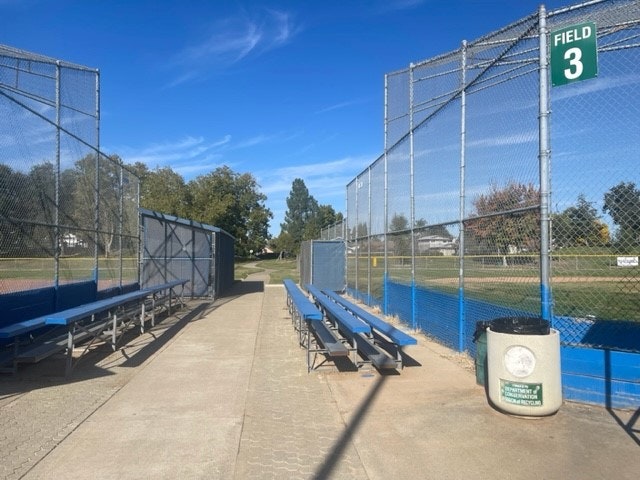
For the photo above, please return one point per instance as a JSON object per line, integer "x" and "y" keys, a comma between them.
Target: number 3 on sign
{"x": 574, "y": 55}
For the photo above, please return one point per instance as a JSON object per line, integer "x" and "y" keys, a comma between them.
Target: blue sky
{"x": 280, "y": 89}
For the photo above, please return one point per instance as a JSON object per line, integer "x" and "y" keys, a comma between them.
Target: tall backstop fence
{"x": 176, "y": 248}
{"x": 68, "y": 213}
{"x": 509, "y": 186}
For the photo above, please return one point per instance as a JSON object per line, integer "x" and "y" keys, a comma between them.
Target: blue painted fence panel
{"x": 605, "y": 376}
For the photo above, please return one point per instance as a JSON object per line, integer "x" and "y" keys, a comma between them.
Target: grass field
{"x": 277, "y": 269}
{"x": 27, "y": 273}
{"x": 583, "y": 285}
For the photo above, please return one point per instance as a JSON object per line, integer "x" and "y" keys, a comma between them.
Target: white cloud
{"x": 253, "y": 141}
{"x": 505, "y": 140}
{"x": 188, "y": 155}
{"x": 232, "y": 40}
{"x": 326, "y": 182}
{"x": 341, "y": 105}
{"x": 594, "y": 85}
{"x": 191, "y": 156}
{"x": 382, "y": 7}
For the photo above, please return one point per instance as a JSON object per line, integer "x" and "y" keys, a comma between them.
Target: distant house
{"x": 430, "y": 244}
{"x": 70, "y": 240}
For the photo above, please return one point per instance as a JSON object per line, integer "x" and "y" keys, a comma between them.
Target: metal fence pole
{"x": 544, "y": 157}
{"x": 463, "y": 140}
{"x": 356, "y": 236}
{"x": 385, "y": 294}
{"x": 121, "y": 220}
{"x": 96, "y": 252}
{"x": 412, "y": 199}
{"x": 56, "y": 239}
{"x": 369, "y": 238}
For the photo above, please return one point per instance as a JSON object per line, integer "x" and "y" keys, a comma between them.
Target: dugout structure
{"x": 176, "y": 248}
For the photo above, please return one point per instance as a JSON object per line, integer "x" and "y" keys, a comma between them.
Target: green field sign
{"x": 574, "y": 54}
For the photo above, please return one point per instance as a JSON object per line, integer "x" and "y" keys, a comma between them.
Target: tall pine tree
{"x": 301, "y": 210}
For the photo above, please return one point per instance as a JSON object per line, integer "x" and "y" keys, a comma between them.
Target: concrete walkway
{"x": 223, "y": 392}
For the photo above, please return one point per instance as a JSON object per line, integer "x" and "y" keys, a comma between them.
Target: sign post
{"x": 574, "y": 54}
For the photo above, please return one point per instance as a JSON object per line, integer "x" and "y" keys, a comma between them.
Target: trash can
{"x": 480, "y": 339}
{"x": 523, "y": 366}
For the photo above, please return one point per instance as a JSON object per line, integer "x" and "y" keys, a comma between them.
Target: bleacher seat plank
{"x": 346, "y": 320}
{"x": 335, "y": 347}
{"x": 396, "y": 335}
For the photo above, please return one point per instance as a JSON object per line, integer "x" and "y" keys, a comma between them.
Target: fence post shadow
{"x": 629, "y": 427}
{"x": 333, "y": 457}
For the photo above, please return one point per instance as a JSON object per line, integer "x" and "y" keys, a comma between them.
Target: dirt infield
{"x": 534, "y": 280}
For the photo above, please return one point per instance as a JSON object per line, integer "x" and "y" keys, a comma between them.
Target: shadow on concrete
{"x": 243, "y": 288}
{"x": 631, "y": 427}
{"x": 334, "y": 456}
{"x": 238, "y": 290}
{"x": 322, "y": 361}
{"x": 161, "y": 340}
{"x": 50, "y": 371}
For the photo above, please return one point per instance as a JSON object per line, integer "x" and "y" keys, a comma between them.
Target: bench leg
{"x": 69, "y": 360}
{"x": 114, "y": 332}
{"x": 399, "y": 363}
{"x": 153, "y": 310}
{"x": 355, "y": 351}
{"x": 142, "y": 316}
{"x": 308, "y": 347}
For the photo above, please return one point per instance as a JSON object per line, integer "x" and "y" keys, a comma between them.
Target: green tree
{"x": 282, "y": 243}
{"x": 504, "y": 221}
{"x": 304, "y": 218}
{"x": 578, "y": 225}
{"x": 164, "y": 190}
{"x": 401, "y": 241}
{"x": 232, "y": 202}
{"x": 323, "y": 216}
{"x": 622, "y": 203}
{"x": 109, "y": 193}
{"x": 302, "y": 209}
{"x": 26, "y": 211}
{"x": 359, "y": 231}
{"x": 398, "y": 223}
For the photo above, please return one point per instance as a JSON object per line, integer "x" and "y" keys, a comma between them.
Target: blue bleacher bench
{"x": 356, "y": 331}
{"x": 394, "y": 334}
{"x": 313, "y": 334}
{"x": 105, "y": 319}
{"x": 386, "y": 334}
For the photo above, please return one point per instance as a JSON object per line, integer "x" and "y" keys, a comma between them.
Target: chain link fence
{"x": 334, "y": 232}
{"x": 498, "y": 194}
{"x": 68, "y": 213}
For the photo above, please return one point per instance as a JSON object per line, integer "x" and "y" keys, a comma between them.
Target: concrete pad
{"x": 228, "y": 396}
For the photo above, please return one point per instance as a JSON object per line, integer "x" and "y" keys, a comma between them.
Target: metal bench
{"x": 355, "y": 330}
{"x": 107, "y": 320}
{"x": 394, "y": 334}
{"x": 313, "y": 334}
{"x": 386, "y": 334}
